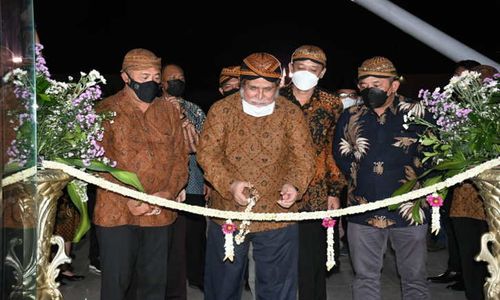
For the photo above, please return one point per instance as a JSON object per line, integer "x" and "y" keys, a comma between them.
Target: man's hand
{"x": 333, "y": 203}
{"x": 174, "y": 101}
{"x": 288, "y": 195}
{"x": 237, "y": 188}
{"x": 207, "y": 191}
{"x": 191, "y": 136}
{"x": 138, "y": 208}
{"x": 182, "y": 196}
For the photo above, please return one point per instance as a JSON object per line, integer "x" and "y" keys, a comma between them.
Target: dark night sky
{"x": 95, "y": 34}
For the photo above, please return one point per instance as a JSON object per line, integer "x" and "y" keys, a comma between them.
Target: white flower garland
{"x": 228, "y": 228}
{"x": 329, "y": 224}
{"x": 277, "y": 217}
{"x": 435, "y": 220}
{"x": 330, "y": 250}
{"x": 247, "y": 215}
{"x": 210, "y": 212}
{"x": 245, "y": 224}
{"x": 435, "y": 201}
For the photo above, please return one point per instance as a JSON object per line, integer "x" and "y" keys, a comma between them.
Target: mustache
{"x": 255, "y": 99}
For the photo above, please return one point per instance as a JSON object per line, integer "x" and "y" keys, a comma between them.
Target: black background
{"x": 202, "y": 37}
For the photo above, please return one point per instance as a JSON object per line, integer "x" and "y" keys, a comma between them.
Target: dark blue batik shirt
{"x": 377, "y": 154}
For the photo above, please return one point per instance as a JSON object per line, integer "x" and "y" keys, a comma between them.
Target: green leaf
{"x": 12, "y": 167}
{"x": 443, "y": 193}
{"x": 43, "y": 97}
{"x": 432, "y": 180}
{"x": 127, "y": 178}
{"x": 427, "y": 141}
{"x": 405, "y": 188}
{"x": 430, "y": 154}
{"x": 123, "y": 176}
{"x": 393, "y": 207}
{"x": 445, "y": 147}
{"x": 452, "y": 173}
{"x": 415, "y": 212}
{"x": 75, "y": 191}
{"x": 457, "y": 163}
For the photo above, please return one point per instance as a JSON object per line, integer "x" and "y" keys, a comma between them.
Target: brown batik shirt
{"x": 150, "y": 144}
{"x": 467, "y": 203}
{"x": 321, "y": 113}
{"x": 267, "y": 152}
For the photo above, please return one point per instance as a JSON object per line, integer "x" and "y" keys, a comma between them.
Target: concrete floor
{"x": 338, "y": 285}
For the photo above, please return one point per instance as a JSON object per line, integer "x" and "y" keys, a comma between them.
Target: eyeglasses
{"x": 348, "y": 95}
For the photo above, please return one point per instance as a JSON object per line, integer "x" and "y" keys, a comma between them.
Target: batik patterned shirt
{"x": 267, "y": 151}
{"x": 196, "y": 116}
{"x": 321, "y": 113}
{"x": 377, "y": 155}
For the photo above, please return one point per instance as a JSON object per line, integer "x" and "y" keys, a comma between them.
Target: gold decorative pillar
{"x": 49, "y": 185}
{"x": 488, "y": 184}
{"x": 31, "y": 208}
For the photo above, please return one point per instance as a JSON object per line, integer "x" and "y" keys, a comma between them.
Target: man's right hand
{"x": 138, "y": 208}
{"x": 237, "y": 189}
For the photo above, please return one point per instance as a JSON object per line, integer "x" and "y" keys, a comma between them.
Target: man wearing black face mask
{"x": 145, "y": 138}
{"x": 376, "y": 153}
{"x": 188, "y": 231}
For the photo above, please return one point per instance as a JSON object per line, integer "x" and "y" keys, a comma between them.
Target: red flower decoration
{"x": 329, "y": 222}
{"x": 228, "y": 228}
{"x": 434, "y": 200}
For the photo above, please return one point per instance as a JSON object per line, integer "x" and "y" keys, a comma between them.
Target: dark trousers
{"x": 93, "y": 244}
{"x": 196, "y": 241}
{"x": 176, "y": 288}
{"x": 451, "y": 237}
{"x": 468, "y": 232}
{"x": 367, "y": 247}
{"x": 312, "y": 259}
{"x": 187, "y": 250}
{"x": 275, "y": 253}
{"x": 133, "y": 252}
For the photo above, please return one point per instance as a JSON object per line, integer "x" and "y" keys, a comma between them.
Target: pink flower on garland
{"x": 328, "y": 222}
{"x": 228, "y": 228}
{"x": 434, "y": 200}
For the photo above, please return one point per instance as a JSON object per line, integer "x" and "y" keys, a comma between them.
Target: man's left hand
{"x": 333, "y": 202}
{"x": 288, "y": 195}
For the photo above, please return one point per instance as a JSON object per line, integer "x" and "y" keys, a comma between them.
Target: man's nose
{"x": 261, "y": 94}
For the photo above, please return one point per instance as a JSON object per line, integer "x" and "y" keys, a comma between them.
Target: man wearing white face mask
{"x": 321, "y": 110}
{"x": 255, "y": 139}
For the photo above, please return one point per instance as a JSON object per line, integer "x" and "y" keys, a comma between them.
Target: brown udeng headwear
{"x": 228, "y": 73}
{"x": 261, "y": 64}
{"x": 139, "y": 59}
{"x": 377, "y": 66}
{"x": 311, "y": 52}
{"x": 486, "y": 71}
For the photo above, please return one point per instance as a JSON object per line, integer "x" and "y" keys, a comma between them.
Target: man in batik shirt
{"x": 146, "y": 138}
{"x": 377, "y": 154}
{"x": 258, "y": 139}
{"x": 187, "y": 241}
{"x": 321, "y": 110}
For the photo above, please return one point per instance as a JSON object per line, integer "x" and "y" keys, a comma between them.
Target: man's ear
{"x": 395, "y": 86}
{"x": 322, "y": 73}
{"x": 125, "y": 77}
{"x": 221, "y": 91}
